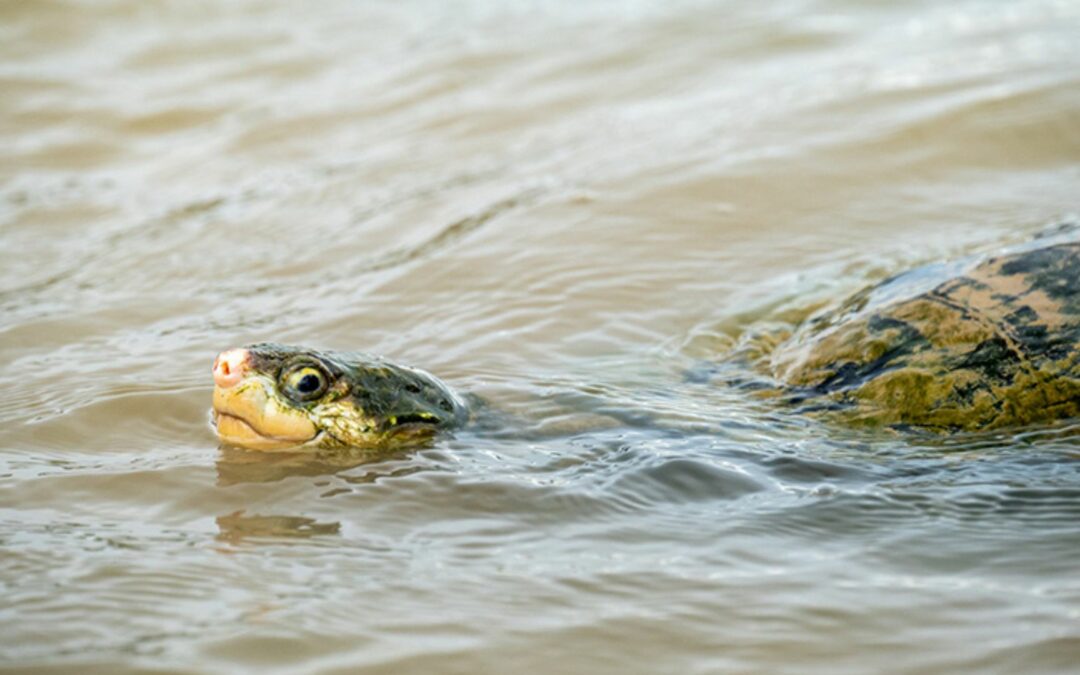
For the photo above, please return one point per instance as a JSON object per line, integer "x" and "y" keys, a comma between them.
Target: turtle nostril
{"x": 229, "y": 367}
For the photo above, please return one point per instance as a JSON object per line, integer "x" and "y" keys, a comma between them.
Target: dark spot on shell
{"x": 966, "y": 393}
{"x": 845, "y": 376}
{"x": 1022, "y": 316}
{"x": 853, "y": 374}
{"x": 993, "y": 358}
{"x": 1036, "y": 339}
{"x": 1054, "y": 270}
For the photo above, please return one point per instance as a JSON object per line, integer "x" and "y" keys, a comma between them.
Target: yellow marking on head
{"x": 252, "y": 415}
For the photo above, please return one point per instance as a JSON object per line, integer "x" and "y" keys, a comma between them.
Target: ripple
{"x": 675, "y": 481}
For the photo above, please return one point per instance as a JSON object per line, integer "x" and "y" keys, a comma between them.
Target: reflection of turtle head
{"x": 271, "y": 396}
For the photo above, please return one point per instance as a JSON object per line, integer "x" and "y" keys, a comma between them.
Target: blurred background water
{"x": 560, "y": 207}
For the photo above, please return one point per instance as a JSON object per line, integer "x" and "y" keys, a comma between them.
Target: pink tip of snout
{"x": 230, "y": 366}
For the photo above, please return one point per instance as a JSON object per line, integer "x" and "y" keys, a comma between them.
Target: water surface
{"x": 563, "y": 208}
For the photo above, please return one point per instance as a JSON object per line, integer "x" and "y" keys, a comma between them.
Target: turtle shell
{"x": 962, "y": 347}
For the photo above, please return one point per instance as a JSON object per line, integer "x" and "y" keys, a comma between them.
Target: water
{"x": 560, "y": 208}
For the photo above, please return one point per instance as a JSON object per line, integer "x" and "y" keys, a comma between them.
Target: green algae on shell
{"x": 997, "y": 345}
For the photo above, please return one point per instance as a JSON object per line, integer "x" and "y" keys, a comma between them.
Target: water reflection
{"x": 237, "y": 466}
{"x": 235, "y": 528}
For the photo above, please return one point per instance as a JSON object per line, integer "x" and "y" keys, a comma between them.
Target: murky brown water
{"x": 562, "y": 208}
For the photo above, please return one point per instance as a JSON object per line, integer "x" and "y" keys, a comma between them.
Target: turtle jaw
{"x": 249, "y": 415}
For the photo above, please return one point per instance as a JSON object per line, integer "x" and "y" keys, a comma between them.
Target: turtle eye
{"x": 305, "y": 383}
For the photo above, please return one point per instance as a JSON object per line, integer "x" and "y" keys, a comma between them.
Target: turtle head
{"x": 274, "y": 397}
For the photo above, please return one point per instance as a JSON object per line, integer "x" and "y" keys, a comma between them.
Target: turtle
{"x": 958, "y": 347}
{"x": 965, "y": 346}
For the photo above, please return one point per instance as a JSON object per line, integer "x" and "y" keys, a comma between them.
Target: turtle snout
{"x": 230, "y": 367}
